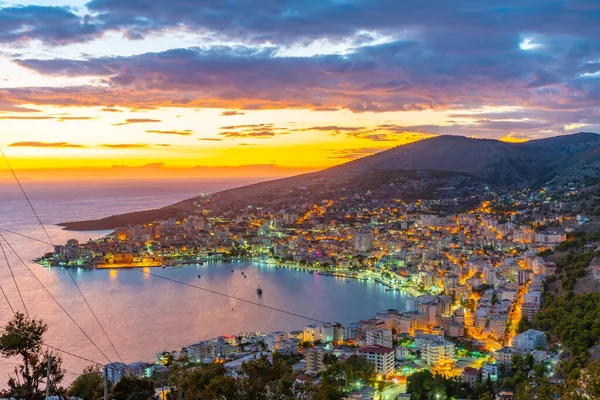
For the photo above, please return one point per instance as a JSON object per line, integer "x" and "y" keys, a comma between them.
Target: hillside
{"x": 443, "y": 166}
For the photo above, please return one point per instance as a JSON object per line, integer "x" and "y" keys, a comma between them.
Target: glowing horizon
{"x": 95, "y": 85}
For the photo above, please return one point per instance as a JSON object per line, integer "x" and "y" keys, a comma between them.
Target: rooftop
{"x": 376, "y": 349}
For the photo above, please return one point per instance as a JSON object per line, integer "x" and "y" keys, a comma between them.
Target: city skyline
{"x": 288, "y": 88}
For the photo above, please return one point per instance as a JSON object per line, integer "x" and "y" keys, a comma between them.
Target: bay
{"x": 145, "y": 314}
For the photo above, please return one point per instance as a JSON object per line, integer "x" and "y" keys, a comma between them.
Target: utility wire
{"x": 231, "y": 297}
{"x": 25, "y": 236}
{"x": 25, "y": 194}
{"x": 53, "y": 347}
{"x": 14, "y": 279}
{"x": 54, "y": 298}
{"x": 144, "y": 272}
{"x": 68, "y": 271}
{"x": 6, "y": 298}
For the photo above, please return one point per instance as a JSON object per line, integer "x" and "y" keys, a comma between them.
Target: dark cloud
{"x": 231, "y": 113}
{"x": 365, "y": 80}
{"x": 45, "y": 144}
{"x": 298, "y": 22}
{"x": 185, "y": 132}
{"x": 302, "y": 21}
{"x": 51, "y": 25}
{"x": 539, "y": 56}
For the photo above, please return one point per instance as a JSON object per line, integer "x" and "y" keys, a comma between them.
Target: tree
{"x": 524, "y": 325}
{"x": 89, "y": 385}
{"x": 23, "y": 338}
{"x": 329, "y": 359}
{"x": 132, "y": 388}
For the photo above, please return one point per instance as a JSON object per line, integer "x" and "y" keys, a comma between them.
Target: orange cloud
{"x": 45, "y": 144}
{"x": 137, "y": 121}
{"x": 231, "y": 113}
{"x": 185, "y": 132}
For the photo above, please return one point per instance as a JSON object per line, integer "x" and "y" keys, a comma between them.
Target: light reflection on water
{"x": 145, "y": 314}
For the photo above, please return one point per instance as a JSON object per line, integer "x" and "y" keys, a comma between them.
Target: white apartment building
{"x": 381, "y": 357}
{"x": 313, "y": 360}
{"x": 529, "y": 340}
{"x": 274, "y": 338}
{"x": 435, "y": 349}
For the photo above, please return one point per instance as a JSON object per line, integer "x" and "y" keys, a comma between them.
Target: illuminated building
{"x": 406, "y": 323}
{"x": 381, "y": 357}
{"x": 311, "y": 333}
{"x": 434, "y": 349}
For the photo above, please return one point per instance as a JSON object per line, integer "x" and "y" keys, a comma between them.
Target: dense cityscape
{"x": 299, "y": 200}
{"x": 475, "y": 279}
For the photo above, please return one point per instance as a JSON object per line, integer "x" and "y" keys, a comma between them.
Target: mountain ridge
{"x": 420, "y": 168}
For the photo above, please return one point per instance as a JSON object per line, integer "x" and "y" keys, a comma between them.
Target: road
{"x": 391, "y": 392}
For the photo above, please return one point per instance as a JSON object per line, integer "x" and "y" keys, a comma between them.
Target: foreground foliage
{"x": 23, "y": 338}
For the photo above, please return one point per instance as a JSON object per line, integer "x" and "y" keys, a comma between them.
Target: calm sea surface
{"x": 144, "y": 314}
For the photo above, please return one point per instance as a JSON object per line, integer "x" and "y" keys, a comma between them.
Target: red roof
{"x": 375, "y": 349}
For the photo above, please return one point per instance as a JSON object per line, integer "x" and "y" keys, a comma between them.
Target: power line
{"x": 68, "y": 271}
{"x": 25, "y": 194}
{"x": 144, "y": 272}
{"x": 231, "y": 297}
{"x": 54, "y": 298}
{"x": 52, "y": 347}
{"x": 6, "y": 298}
{"x": 14, "y": 279}
{"x": 25, "y": 236}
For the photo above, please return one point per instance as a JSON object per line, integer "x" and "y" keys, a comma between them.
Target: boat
{"x": 245, "y": 276}
{"x": 199, "y": 276}
{"x": 164, "y": 267}
{"x": 231, "y": 270}
{"x": 259, "y": 290}
{"x": 201, "y": 262}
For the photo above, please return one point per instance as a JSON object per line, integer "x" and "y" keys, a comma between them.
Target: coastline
{"x": 357, "y": 275}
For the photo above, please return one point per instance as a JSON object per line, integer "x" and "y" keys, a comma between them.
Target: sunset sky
{"x": 270, "y": 88}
